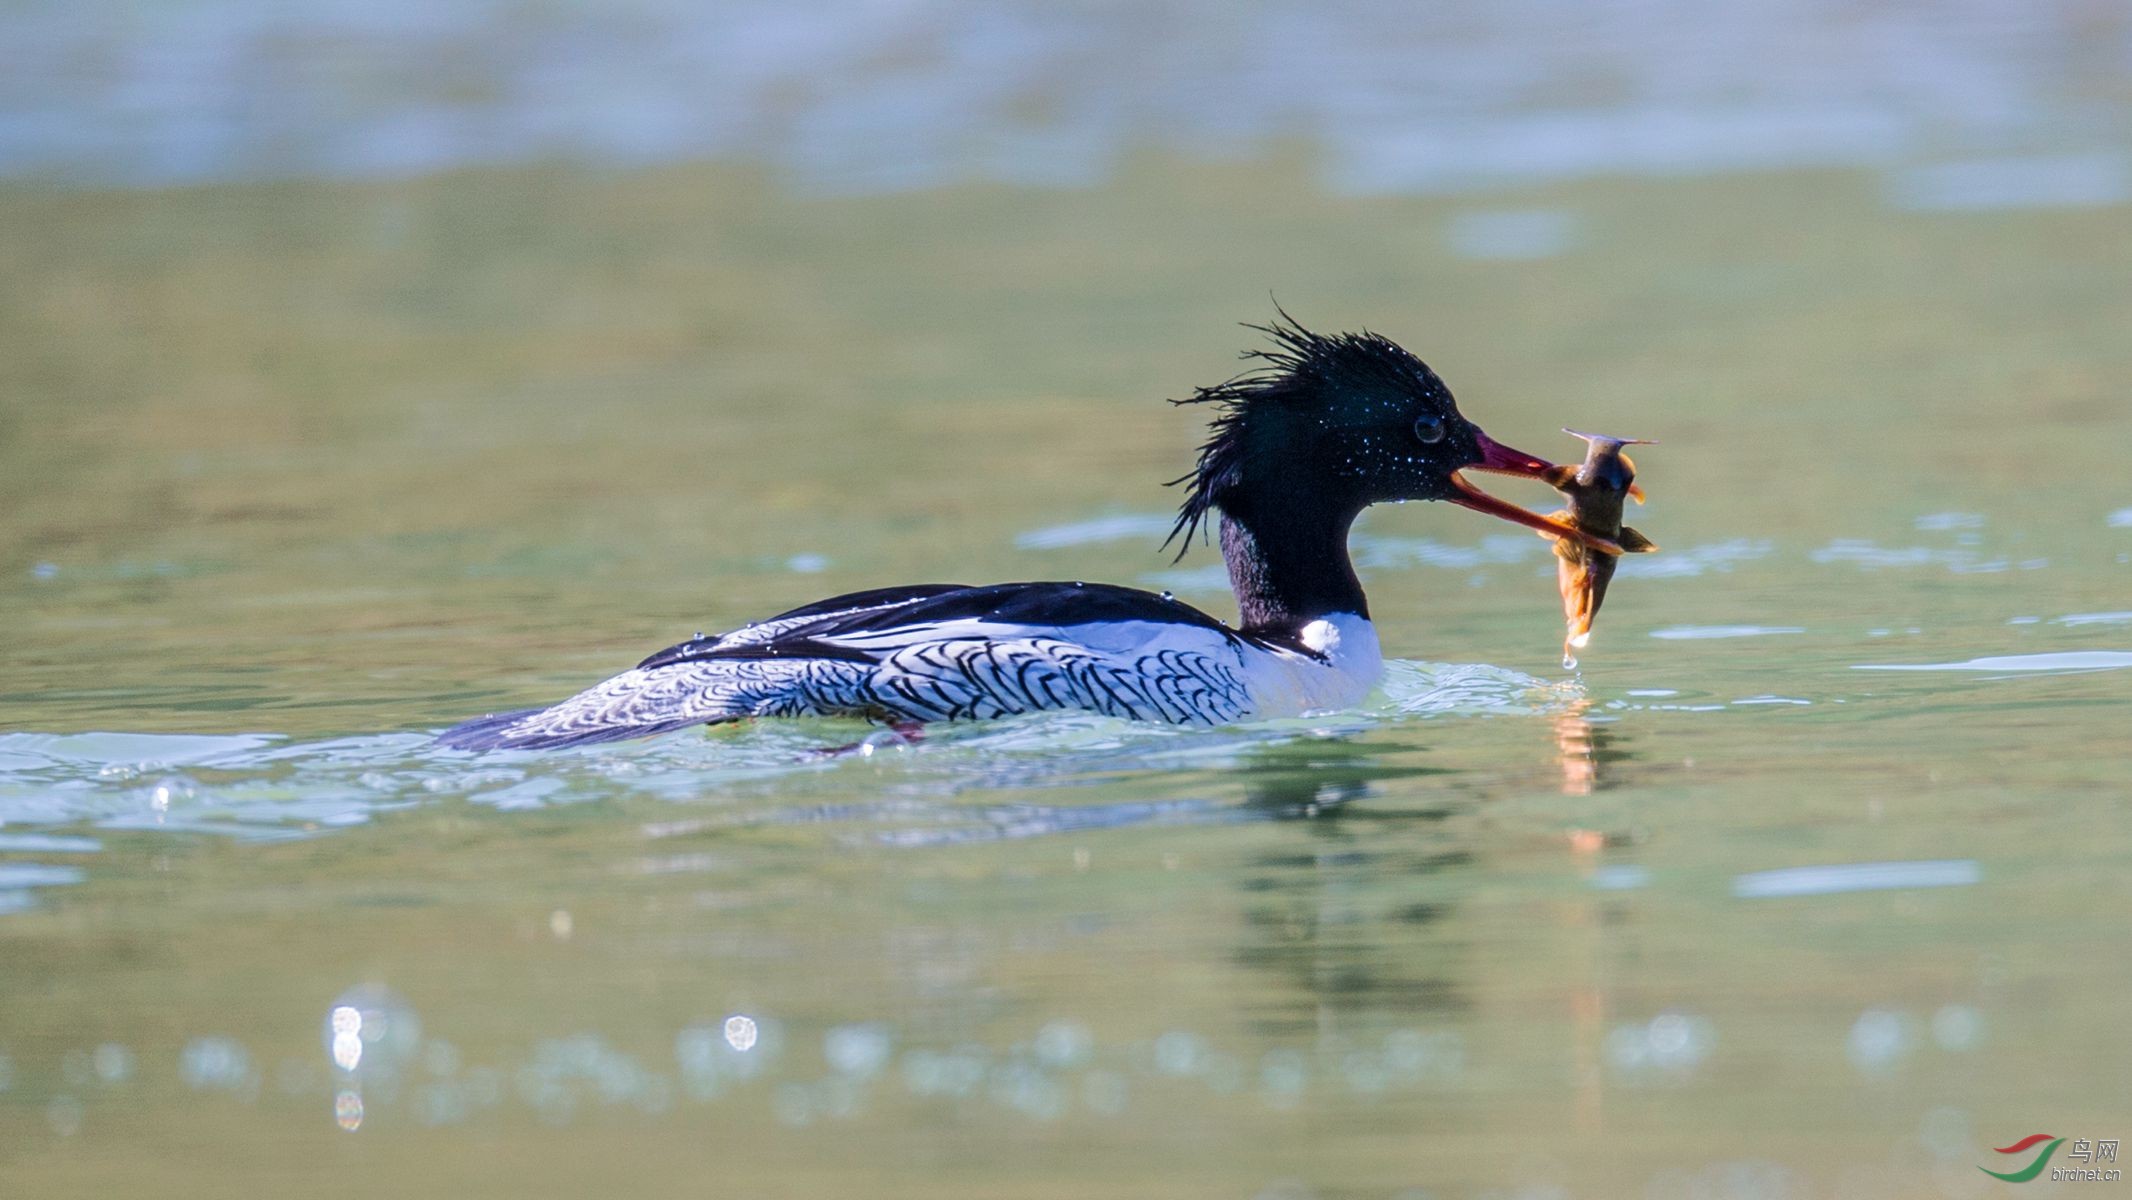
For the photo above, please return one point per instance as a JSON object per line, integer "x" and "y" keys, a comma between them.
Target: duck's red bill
{"x": 1502, "y": 460}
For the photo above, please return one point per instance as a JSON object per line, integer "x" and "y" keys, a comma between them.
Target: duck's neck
{"x": 1288, "y": 562}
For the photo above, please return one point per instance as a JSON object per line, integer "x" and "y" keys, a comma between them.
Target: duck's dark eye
{"x": 1429, "y": 428}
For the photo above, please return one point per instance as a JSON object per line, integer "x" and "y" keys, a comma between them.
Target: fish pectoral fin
{"x": 1634, "y": 542}
{"x": 1565, "y": 517}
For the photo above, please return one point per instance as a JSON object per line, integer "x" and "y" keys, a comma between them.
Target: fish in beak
{"x": 1502, "y": 460}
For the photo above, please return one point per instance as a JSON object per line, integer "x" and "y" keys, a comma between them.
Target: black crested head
{"x": 1326, "y": 422}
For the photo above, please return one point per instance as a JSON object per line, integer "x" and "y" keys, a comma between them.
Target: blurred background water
{"x": 363, "y": 367}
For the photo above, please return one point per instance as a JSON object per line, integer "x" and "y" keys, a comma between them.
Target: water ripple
{"x": 1856, "y": 877}
{"x": 1681, "y": 633}
{"x": 1122, "y": 527}
{"x": 262, "y": 787}
{"x": 2016, "y": 664}
{"x": 2093, "y": 618}
{"x": 851, "y": 97}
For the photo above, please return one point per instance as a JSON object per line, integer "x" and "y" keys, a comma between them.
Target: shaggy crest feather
{"x": 1300, "y": 364}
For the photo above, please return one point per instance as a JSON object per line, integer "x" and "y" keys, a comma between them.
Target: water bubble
{"x": 1365, "y": 1073}
{"x": 1179, "y": 1052}
{"x": 215, "y": 1064}
{"x": 345, "y": 1036}
{"x": 856, "y": 1049}
{"x": 370, "y": 1027}
{"x": 1879, "y": 1040}
{"x": 348, "y": 1109}
{"x": 933, "y": 1073}
{"x": 1283, "y": 1075}
{"x": 1027, "y": 1089}
{"x": 1671, "y": 1042}
{"x": 113, "y": 1063}
{"x": 1063, "y": 1044}
{"x": 1957, "y": 1027}
{"x": 1678, "y": 1042}
{"x": 698, "y": 1053}
{"x": 1408, "y": 1051}
{"x": 741, "y": 1032}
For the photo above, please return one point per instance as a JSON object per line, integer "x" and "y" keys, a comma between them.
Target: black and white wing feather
{"x": 923, "y": 653}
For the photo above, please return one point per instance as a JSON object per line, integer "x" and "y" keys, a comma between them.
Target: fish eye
{"x": 1429, "y": 428}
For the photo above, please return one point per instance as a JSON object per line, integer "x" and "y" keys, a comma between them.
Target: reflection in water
{"x": 1337, "y": 921}
{"x": 1591, "y": 752}
{"x": 1575, "y": 743}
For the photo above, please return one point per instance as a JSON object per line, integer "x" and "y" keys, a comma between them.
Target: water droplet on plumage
{"x": 1168, "y": 594}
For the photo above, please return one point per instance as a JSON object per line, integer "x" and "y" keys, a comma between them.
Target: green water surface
{"x": 293, "y": 474}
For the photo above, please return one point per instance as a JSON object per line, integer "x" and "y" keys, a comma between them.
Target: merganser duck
{"x": 1324, "y": 427}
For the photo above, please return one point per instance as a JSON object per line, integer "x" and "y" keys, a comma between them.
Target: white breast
{"x": 1345, "y": 664}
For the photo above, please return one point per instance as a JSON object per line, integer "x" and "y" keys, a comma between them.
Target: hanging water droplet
{"x": 1569, "y": 661}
